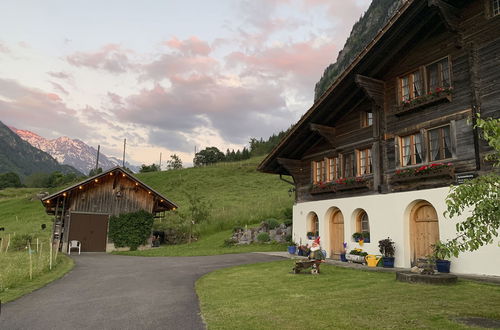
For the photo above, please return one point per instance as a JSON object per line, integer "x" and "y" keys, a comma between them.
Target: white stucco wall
{"x": 389, "y": 216}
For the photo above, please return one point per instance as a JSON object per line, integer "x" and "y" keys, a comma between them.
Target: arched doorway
{"x": 424, "y": 230}
{"x": 336, "y": 234}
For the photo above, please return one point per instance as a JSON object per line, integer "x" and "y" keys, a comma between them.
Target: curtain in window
{"x": 406, "y": 150}
{"x": 447, "y": 142}
{"x": 434, "y": 144}
{"x": 365, "y": 225}
{"x": 417, "y": 84}
{"x": 405, "y": 88}
{"x": 432, "y": 73}
{"x": 418, "y": 147}
{"x": 445, "y": 69}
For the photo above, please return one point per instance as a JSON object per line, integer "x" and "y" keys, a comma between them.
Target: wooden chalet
{"x": 378, "y": 151}
{"x": 82, "y": 211}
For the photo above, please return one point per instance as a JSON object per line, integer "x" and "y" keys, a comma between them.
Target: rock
{"x": 415, "y": 269}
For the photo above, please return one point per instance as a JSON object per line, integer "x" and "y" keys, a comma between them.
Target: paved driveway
{"x": 121, "y": 292}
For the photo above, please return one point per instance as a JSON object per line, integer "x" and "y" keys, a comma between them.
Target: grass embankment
{"x": 206, "y": 246}
{"x": 238, "y": 193}
{"x": 20, "y": 213}
{"x": 270, "y": 297}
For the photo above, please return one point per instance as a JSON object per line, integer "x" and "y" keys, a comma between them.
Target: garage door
{"x": 91, "y": 230}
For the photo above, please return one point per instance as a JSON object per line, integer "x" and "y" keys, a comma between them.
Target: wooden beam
{"x": 295, "y": 167}
{"x": 327, "y": 132}
{"x": 373, "y": 88}
{"x": 449, "y": 13}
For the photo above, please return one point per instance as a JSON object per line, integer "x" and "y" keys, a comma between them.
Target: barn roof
{"x": 165, "y": 202}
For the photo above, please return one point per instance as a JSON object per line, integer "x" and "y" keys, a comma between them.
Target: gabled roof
{"x": 166, "y": 202}
{"x": 369, "y": 62}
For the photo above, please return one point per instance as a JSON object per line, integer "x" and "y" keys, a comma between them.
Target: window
{"x": 364, "y": 161}
{"x": 495, "y": 7}
{"x": 439, "y": 143}
{"x": 411, "y": 86}
{"x": 319, "y": 171}
{"x": 366, "y": 119}
{"x": 333, "y": 168}
{"x": 411, "y": 149}
{"x": 438, "y": 75}
{"x": 348, "y": 165}
{"x": 362, "y": 223}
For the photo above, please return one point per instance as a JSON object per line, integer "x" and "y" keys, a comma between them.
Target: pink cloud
{"x": 33, "y": 108}
{"x": 192, "y": 46}
{"x": 111, "y": 57}
{"x": 59, "y": 88}
{"x": 60, "y": 75}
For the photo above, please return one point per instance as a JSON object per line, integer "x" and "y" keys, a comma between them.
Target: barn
{"x": 82, "y": 211}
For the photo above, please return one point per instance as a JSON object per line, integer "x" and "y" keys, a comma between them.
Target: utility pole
{"x": 97, "y": 160}
{"x": 160, "y": 163}
{"x": 124, "y": 145}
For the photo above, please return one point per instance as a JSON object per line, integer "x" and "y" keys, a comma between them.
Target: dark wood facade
{"x": 457, "y": 41}
{"x": 81, "y": 210}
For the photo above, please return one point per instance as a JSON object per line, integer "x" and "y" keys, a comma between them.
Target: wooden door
{"x": 91, "y": 230}
{"x": 424, "y": 230}
{"x": 336, "y": 235}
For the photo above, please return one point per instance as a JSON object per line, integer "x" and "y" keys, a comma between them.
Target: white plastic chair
{"x": 74, "y": 245}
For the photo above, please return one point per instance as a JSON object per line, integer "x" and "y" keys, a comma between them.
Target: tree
{"x": 95, "y": 172}
{"x": 209, "y": 155}
{"x": 481, "y": 195}
{"x": 149, "y": 168}
{"x": 174, "y": 163}
{"x": 198, "y": 211}
{"x": 10, "y": 179}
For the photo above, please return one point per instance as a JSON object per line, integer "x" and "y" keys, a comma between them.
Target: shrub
{"x": 288, "y": 238}
{"x": 288, "y": 222}
{"x": 19, "y": 242}
{"x": 263, "y": 237}
{"x": 131, "y": 229}
{"x": 288, "y": 213}
{"x": 272, "y": 223}
{"x": 237, "y": 229}
{"x": 229, "y": 242}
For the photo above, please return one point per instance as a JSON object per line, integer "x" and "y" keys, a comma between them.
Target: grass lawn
{"x": 14, "y": 276}
{"x": 206, "y": 246}
{"x": 268, "y": 296}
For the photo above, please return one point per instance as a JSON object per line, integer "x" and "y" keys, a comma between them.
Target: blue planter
{"x": 443, "y": 266}
{"x": 342, "y": 257}
{"x": 388, "y": 262}
{"x": 292, "y": 249}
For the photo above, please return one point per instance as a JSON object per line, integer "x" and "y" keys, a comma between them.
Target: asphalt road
{"x": 121, "y": 292}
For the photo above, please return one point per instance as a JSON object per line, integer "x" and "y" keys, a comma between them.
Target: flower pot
{"x": 342, "y": 257}
{"x": 443, "y": 266}
{"x": 367, "y": 240}
{"x": 292, "y": 249}
{"x": 388, "y": 262}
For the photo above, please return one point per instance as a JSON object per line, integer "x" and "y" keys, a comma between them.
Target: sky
{"x": 166, "y": 75}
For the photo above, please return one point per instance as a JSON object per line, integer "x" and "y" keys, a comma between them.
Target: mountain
{"x": 374, "y": 19}
{"x": 17, "y": 155}
{"x": 71, "y": 152}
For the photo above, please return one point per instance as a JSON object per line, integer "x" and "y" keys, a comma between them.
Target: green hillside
{"x": 238, "y": 194}
{"x": 18, "y": 156}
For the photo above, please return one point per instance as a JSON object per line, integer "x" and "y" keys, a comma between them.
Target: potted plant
{"x": 342, "y": 255}
{"x": 440, "y": 255}
{"x": 366, "y": 236}
{"x": 292, "y": 247}
{"x": 310, "y": 235}
{"x": 357, "y": 236}
{"x": 386, "y": 247}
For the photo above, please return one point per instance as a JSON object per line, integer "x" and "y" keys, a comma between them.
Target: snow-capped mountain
{"x": 72, "y": 152}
